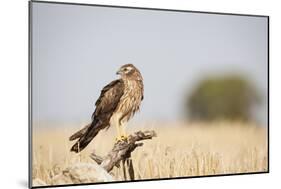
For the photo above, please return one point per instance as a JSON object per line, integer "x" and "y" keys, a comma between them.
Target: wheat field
{"x": 179, "y": 150}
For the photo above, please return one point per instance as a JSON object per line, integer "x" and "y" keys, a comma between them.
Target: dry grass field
{"x": 177, "y": 151}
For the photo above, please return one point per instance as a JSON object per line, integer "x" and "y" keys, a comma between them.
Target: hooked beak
{"x": 118, "y": 72}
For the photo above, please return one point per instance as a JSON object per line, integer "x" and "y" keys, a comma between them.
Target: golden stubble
{"x": 179, "y": 150}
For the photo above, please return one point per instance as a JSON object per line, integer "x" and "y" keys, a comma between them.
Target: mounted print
{"x": 123, "y": 94}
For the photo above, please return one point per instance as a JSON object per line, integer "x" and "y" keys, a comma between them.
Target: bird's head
{"x": 128, "y": 71}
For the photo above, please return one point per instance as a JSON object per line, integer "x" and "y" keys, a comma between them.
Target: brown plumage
{"x": 118, "y": 102}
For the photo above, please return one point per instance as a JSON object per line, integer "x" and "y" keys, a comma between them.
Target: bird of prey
{"x": 117, "y": 103}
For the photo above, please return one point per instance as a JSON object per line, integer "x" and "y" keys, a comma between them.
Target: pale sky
{"x": 78, "y": 49}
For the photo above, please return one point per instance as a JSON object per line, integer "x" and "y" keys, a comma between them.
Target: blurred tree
{"x": 229, "y": 97}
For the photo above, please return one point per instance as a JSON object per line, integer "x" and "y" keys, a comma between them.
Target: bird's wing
{"x": 105, "y": 106}
{"x": 109, "y": 98}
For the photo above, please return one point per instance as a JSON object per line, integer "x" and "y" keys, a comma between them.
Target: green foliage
{"x": 230, "y": 97}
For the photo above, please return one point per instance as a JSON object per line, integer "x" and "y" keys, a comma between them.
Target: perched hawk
{"x": 118, "y": 102}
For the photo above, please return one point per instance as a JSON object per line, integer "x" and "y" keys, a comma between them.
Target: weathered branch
{"x": 122, "y": 150}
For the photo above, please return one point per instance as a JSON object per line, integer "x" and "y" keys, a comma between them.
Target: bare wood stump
{"x": 122, "y": 152}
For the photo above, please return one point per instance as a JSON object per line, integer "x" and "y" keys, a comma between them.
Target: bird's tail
{"x": 79, "y": 133}
{"x": 85, "y": 136}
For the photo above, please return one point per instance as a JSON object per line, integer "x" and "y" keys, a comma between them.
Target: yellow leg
{"x": 119, "y": 134}
{"x": 123, "y": 132}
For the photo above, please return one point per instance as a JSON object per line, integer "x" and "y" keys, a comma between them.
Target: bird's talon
{"x": 124, "y": 138}
{"x": 121, "y": 138}
{"x": 118, "y": 139}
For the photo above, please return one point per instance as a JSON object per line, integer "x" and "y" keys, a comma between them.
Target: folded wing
{"x": 105, "y": 107}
